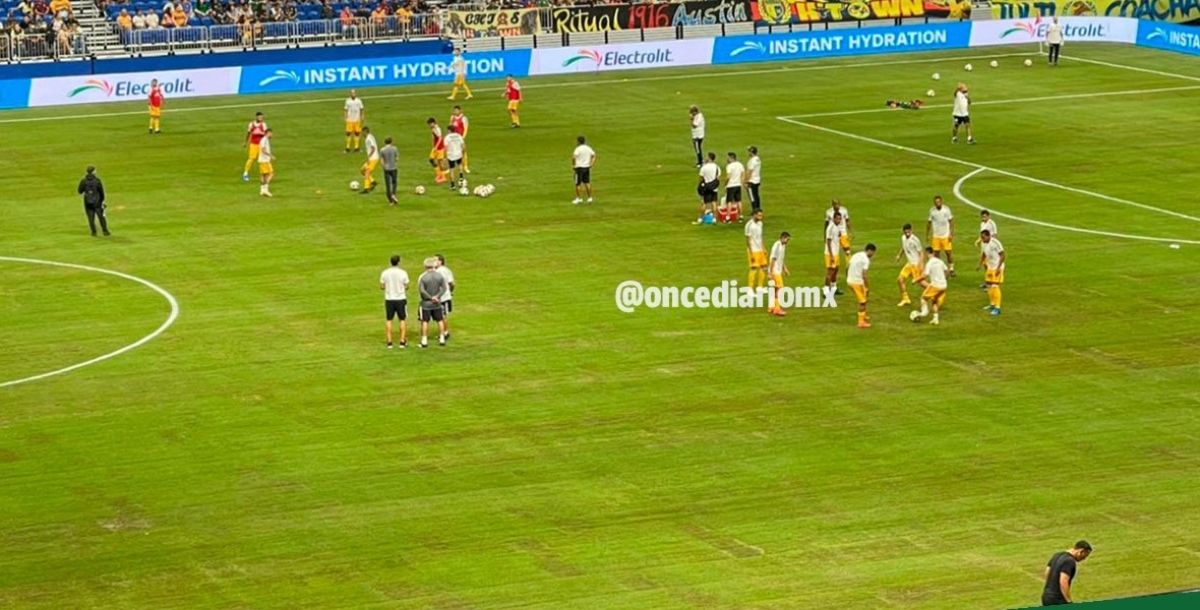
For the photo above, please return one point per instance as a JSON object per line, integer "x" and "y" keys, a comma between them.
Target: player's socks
{"x": 904, "y": 301}
{"x": 934, "y": 320}
{"x": 924, "y": 309}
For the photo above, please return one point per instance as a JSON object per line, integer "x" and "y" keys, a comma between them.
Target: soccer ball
{"x": 1028, "y": 62}
{"x": 354, "y": 185}
{"x": 930, "y": 93}
{"x": 420, "y": 190}
{"x": 995, "y": 64}
{"x": 968, "y": 67}
{"x": 463, "y": 191}
{"x": 937, "y": 76}
{"x": 914, "y": 315}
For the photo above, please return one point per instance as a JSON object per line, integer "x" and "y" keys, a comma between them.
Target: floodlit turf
{"x": 268, "y": 452}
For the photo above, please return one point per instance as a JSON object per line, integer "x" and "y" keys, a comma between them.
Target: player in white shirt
{"x": 735, "y": 176}
{"x": 459, "y": 66}
{"x": 910, "y": 249}
{"x": 1054, "y": 38}
{"x": 353, "y": 114}
{"x": 755, "y": 253}
{"x": 266, "y": 164}
{"x": 939, "y": 230}
{"x": 778, "y": 269}
{"x": 456, "y": 148}
{"x": 697, "y": 133}
{"x": 394, "y": 284}
{"x": 754, "y": 178}
{"x": 582, "y": 161}
{"x": 962, "y": 113}
{"x": 985, "y": 224}
{"x": 833, "y": 240}
{"x": 447, "y": 297}
{"x": 856, "y": 279}
{"x": 368, "y": 168}
{"x": 836, "y": 207}
{"x": 710, "y": 184}
{"x": 994, "y": 257}
{"x": 933, "y": 278}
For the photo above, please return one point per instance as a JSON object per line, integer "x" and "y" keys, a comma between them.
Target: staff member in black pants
{"x": 389, "y": 157}
{"x": 93, "y": 200}
{"x": 1060, "y": 573}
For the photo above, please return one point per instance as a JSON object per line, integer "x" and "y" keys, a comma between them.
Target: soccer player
{"x": 431, "y": 285}
{"x": 985, "y": 224}
{"x": 962, "y": 113}
{"x": 993, "y": 256}
{"x": 939, "y": 230}
{"x": 459, "y": 65}
{"x": 447, "y": 296}
{"x": 933, "y": 279}
{"x": 910, "y": 248}
{"x": 833, "y": 239}
{"x": 156, "y": 102}
{"x": 856, "y": 279}
{"x": 1054, "y": 38}
{"x": 836, "y": 207}
{"x": 710, "y": 182}
{"x": 368, "y": 168}
{"x": 389, "y": 155}
{"x": 512, "y": 92}
{"x": 779, "y": 269}
{"x": 354, "y": 114}
{"x": 266, "y": 167}
{"x": 735, "y": 175}
{"x": 582, "y": 160}
{"x": 697, "y": 133}
{"x": 1060, "y": 573}
{"x": 459, "y": 124}
{"x": 456, "y": 150}
{"x": 394, "y": 284}
{"x": 755, "y": 252}
{"x": 754, "y": 178}
{"x": 437, "y": 154}
{"x": 254, "y": 134}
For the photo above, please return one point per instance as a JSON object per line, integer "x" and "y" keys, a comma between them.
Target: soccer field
{"x": 266, "y": 451}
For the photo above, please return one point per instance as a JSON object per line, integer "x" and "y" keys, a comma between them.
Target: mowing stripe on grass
{"x": 113, "y": 354}
{"x": 1132, "y": 68}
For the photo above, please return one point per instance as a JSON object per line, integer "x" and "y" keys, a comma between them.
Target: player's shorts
{"x": 733, "y": 193}
{"x": 460, "y": 80}
{"x": 265, "y": 168}
{"x": 709, "y": 192}
{"x": 583, "y": 175}
{"x": 844, "y": 241}
{"x": 437, "y": 154}
{"x": 396, "y": 309}
{"x": 935, "y": 295}
{"x": 860, "y": 292}
{"x": 941, "y": 244}
{"x": 253, "y": 150}
{"x": 447, "y": 308}
{"x": 354, "y": 127}
{"x": 962, "y": 120}
{"x": 910, "y": 272}
{"x": 431, "y": 315}
{"x": 757, "y": 258}
{"x": 778, "y": 279}
{"x": 452, "y": 163}
{"x": 155, "y": 112}
{"x": 369, "y": 166}
{"x": 831, "y": 261}
{"x": 513, "y": 104}
{"x": 994, "y": 276}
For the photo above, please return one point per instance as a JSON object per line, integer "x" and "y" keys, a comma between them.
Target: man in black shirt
{"x": 1060, "y": 571}
{"x": 93, "y": 200}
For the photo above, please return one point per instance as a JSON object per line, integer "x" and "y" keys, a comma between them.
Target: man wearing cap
{"x": 432, "y": 285}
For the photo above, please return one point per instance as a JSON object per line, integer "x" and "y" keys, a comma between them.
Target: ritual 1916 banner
{"x": 619, "y": 17}
{"x": 515, "y": 22}
{"x": 1178, "y": 11}
{"x": 781, "y": 12}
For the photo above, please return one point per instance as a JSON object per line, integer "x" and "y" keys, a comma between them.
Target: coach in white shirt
{"x": 697, "y": 133}
{"x": 582, "y": 160}
{"x": 754, "y": 179}
{"x": 1054, "y": 38}
{"x": 394, "y": 284}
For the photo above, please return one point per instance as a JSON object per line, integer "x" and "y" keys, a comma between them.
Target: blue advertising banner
{"x": 14, "y": 93}
{"x": 866, "y": 41}
{"x": 1169, "y": 37}
{"x": 380, "y": 71}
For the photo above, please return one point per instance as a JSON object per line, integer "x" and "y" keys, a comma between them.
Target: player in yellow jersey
{"x": 368, "y": 168}
{"x": 353, "y": 114}
{"x": 459, "y": 65}
{"x": 933, "y": 279}
{"x": 910, "y": 249}
{"x": 856, "y": 279}
{"x": 755, "y": 252}
{"x": 993, "y": 256}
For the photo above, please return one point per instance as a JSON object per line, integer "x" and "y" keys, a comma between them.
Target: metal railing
{"x": 41, "y": 46}
{"x": 278, "y": 34}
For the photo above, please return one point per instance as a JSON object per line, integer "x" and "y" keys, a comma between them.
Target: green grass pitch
{"x": 267, "y": 452}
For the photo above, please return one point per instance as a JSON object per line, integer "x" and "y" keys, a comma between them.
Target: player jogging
{"x": 735, "y": 175}
{"x": 993, "y": 256}
{"x": 910, "y": 249}
{"x": 697, "y": 133}
{"x": 354, "y": 114}
{"x": 368, "y": 168}
{"x": 266, "y": 164}
{"x": 939, "y": 231}
{"x": 754, "y": 179}
{"x": 833, "y": 240}
{"x": 459, "y": 124}
{"x": 155, "y": 102}
{"x": 459, "y": 65}
{"x": 755, "y": 252}
{"x": 962, "y": 114}
{"x": 582, "y": 161}
{"x": 512, "y": 92}
{"x": 394, "y": 284}
{"x": 456, "y": 150}
{"x": 779, "y": 269}
{"x": 856, "y": 279}
{"x": 933, "y": 279}
{"x": 254, "y": 134}
{"x": 437, "y": 153}
{"x": 710, "y": 182}
{"x": 836, "y": 207}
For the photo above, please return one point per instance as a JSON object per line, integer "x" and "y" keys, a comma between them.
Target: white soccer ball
{"x": 354, "y": 185}
{"x": 914, "y": 315}
{"x": 968, "y": 67}
{"x": 994, "y": 64}
{"x": 463, "y": 191}
{"x": 930, "y": 93}
{"x": 937, "y": 76}
{"x": 1028, "y": 62}
{"x": 420, "y": 190}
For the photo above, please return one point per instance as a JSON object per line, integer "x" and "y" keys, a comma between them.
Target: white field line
{"x": 963, "y": 198}
{"x": 571, "y": 83}
{"x": 1019, "y": 100}
{"x": 136, "y": 344}
{"x": 1132, "y": 68}
{"x": 1002, "y": 172}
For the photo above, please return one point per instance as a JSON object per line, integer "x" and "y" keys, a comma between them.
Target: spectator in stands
{"x": 275, "y": 13}
{"x": 290, "y": 12}
{"x": 326, "y": 10}
{"x": 40, "y": 9}
{"x": 189, "y": 11}
{"x": 60, "y": 7}
{"x": 404, "y": 18}
{"x": 25, "y": 8}
{"x": 349, "y": 28}
{"x": 124, "y": 21}
{"x": 66, "y": 37}
{"x": 139, "y": 20}
{"x": 168, "y": 18}
{"x": 152, "y": 21}
{"x": 203, "y": 8}
{"x": 379, "y": 17}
